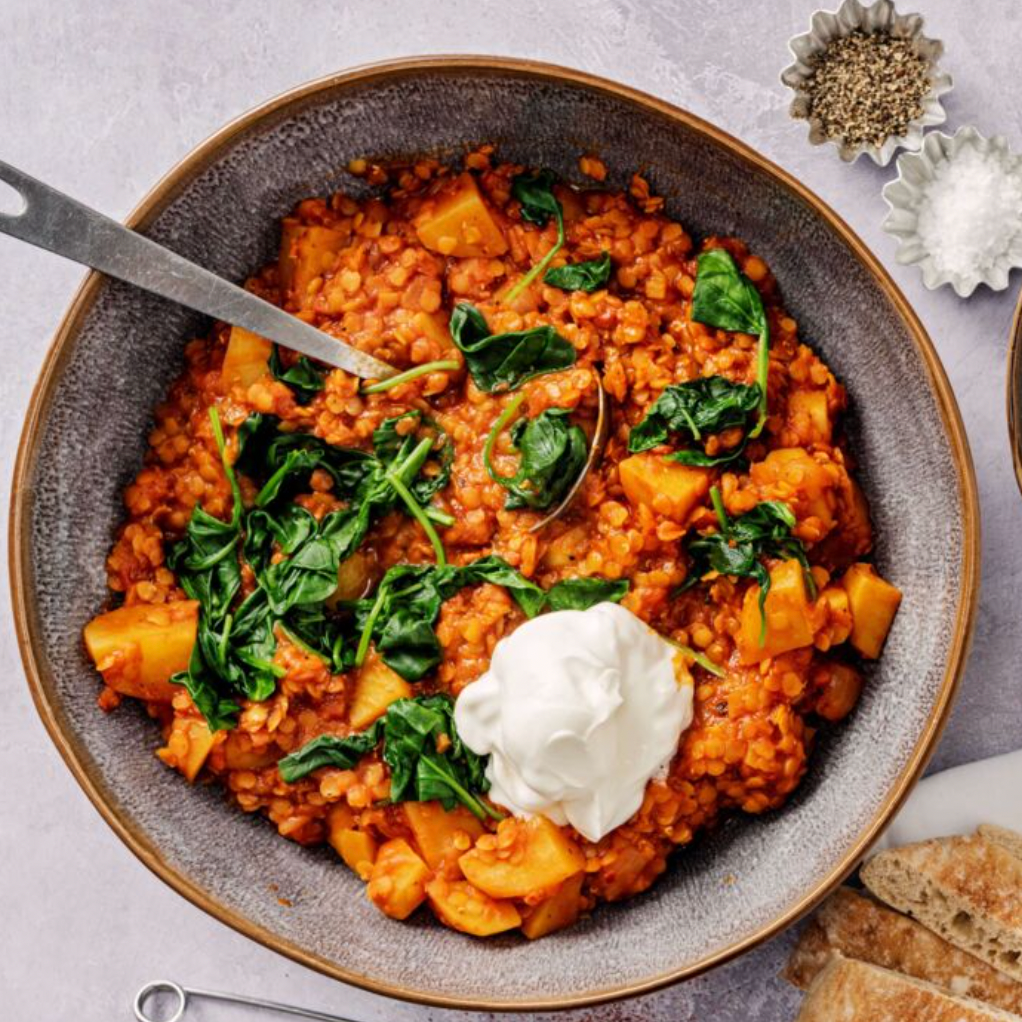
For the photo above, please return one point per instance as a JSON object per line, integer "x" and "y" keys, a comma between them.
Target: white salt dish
{"x": 906, "y": 193}
{"x": 850, "y": 17}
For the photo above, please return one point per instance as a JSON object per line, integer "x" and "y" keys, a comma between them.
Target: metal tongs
{"x": 52, "y": 220}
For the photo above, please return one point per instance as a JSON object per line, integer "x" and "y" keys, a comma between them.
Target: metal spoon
{"x": 182, "y": 994}
{"x": 596, "y": 448}
{"x": 53, "y": 221}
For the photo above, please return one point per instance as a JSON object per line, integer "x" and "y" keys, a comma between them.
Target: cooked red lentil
{"x": 385, "y": 274}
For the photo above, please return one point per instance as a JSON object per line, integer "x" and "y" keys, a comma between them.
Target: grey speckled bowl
{"x": 118, "y": 349}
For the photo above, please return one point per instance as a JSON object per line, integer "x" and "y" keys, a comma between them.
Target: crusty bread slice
{"x": 966, "y": 889}
{"x": 1009, "y": 840}
{"x": 850, "y": 991}
{"x": 856, "y": 926}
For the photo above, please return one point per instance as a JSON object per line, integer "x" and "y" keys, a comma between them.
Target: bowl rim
{"x": 1013, "y": 390}
{"x": 143, "y": 215}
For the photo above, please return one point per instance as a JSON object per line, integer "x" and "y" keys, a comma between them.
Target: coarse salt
{"x": 971, "y": 212}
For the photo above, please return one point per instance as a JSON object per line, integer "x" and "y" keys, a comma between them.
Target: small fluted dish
{"x": 827, "y": 26}
{"x": 906, "y": 194}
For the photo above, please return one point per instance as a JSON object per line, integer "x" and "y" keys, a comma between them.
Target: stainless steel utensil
{"x": 181, "y": 995}
{"x": 53, "y": 221}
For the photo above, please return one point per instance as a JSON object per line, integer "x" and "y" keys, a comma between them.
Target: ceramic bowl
{"x": 853, "y": 16}
{"x": 118, "y": 349}
{"x": 907, "y": 192}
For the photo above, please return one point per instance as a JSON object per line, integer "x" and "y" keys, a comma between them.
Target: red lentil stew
{"x": 313, "y": 568}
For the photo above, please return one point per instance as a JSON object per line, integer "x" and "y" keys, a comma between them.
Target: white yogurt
{"x": 578, "y": 710}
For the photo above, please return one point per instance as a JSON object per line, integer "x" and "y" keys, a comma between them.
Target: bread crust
{"x": 1009, "y": 840}
{"x": 849, "y": 991}
{"x": 966, "y": 889}
{"x": 856, "y": 926}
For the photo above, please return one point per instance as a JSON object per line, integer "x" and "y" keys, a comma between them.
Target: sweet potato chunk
{"x": 808, "y": 485}
{"x": 397, "y": 884}
{"x": 438, "y": 832}
{"x": 307, "y": 251}
{"x": 558, "y": 911}
{"x": 459, "y": 223}
{"x": 247, "y": 358}
{"x": 873, "y": 603}
{"x": 138, "y": 649}
{"x": 358, "y": 850}
{"x": 355, "y": 575}
{"x": 434, "y": 326}
{"x": 789, "y": 622}
{"x": 813, "y": 404}
{"x": 463, "y": 907}
{"x": 188, "y": 745}
{"x": 541, "y": 856}
{"x": 665, "y": 486}
{"x": 376, "y": 688}
{"x": 241, "y": 754}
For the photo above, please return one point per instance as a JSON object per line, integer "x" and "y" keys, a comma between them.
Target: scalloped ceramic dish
{"x": 118, "y": 348}
{"x": 852, "y": 16}
{"x": 906, "y": 193}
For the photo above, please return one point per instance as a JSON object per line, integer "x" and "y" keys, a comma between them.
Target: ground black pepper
{"x": 865, "y": 89}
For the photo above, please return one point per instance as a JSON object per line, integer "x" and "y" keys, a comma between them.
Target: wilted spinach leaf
{"x": 301, "y": 376}
{"x": 535, "y": 192}
{"x": 726, "y": 299}
{"x": 583, "y": 593}
{"x": 742, "y": 543}
{"x": 206, "y": 560}
{"x": 413, "y": 731}
{"x": 553, "y": 453}
{"x": 433, "y": 474}
{"x": 233, "y": 651}
{"x": 709, "y": 404}
{"x": 588, "y": 276}
{"x": 330, "y": 751}
{"x": 506, "y": 361}
{"x": 317, "y": 632}
{"x": 399, "y": 619}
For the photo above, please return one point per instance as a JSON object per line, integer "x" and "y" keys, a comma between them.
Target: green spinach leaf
{"x": 330, "y": 751}
{"x": 301, "y": 376}
{"x": 429, "y": 478}
{"x": 220, "y": 711}
{"x": 588, "y": 276}
{"x": 499, "y": 362}
{"x": 726, "y": 299}
{"x": 535, "y": 192}
{"x": 710, "y": 404}
{"x": 400, "y": 618}
{"x": 741, "y": 545}
{"x": 317, "y": 632}
{"x": 206, "y": 560}
{"x": 583, "y": 593}
{"x": 553, "y": 454}
{"x": 413, "y": 732}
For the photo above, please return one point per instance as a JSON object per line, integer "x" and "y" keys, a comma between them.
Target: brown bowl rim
{"x": 157, "y": 199}
{"x": 1014, "y": 391}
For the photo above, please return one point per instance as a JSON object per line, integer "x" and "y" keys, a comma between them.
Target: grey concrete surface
{"x": 100, "y": 98}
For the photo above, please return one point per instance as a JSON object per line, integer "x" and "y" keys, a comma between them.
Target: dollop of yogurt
{"x": 578, "y": 711}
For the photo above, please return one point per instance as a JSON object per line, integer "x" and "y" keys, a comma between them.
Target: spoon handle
{"x": 54, "y": 221}
{"x": 179, "y": 996}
